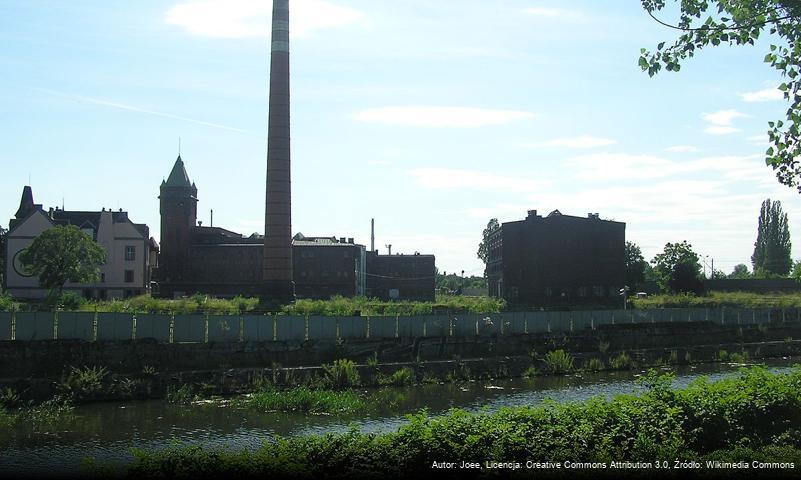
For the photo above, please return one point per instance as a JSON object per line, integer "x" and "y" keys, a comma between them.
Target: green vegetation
{"x": 752, "y": 415}
{"x": 677, "y": 269}
{"x": 13, "y": 411}
{"x": 594, "y": 365}
{"x": 483, "y": 246}
{"x": 399, "y": 378}
{"x": 183, "y": 395}
{"x": 336, "y": 306}
{"x": 341, "y": 374}
{"x": 302, "y": 399}
{"x": 721, "y": 299}
{"x": 772, "y": 248}
{"x": 635, "y": 266}
{"x": 61, "y": 254}
{"x": 705, "y": 23}
{"x": 558, "y": 362}
{"x": 622, "y": 362}
{"x": 83, "y": 383}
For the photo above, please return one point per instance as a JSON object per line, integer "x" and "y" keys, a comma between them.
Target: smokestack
{"x": 211, "y": 220}
{"x": 277, "y": 277}
{"x": 372, "y": 234}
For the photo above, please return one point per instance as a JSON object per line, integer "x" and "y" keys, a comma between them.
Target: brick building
{"x": 401, "y": 277}
{"x": 557, "y": 260}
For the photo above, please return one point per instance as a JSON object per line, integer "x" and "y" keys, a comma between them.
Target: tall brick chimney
{"x": 277, "y": 278}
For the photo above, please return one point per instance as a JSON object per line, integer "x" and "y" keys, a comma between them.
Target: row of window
{"x": 324, "y": 273}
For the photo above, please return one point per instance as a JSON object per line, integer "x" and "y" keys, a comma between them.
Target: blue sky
{"x": 431, "y": 116}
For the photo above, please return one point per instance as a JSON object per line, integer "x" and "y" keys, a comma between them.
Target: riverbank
{"x": 141, "y": 369}
{"x": 754, "y": 415}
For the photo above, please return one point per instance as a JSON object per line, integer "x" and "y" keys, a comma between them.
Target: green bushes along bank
{"x": 754, "y": 415}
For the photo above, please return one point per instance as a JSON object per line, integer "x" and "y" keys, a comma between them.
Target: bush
{"x": 83, "y": 383}
{"x": 304, "y": 399}
{"x": 399, "y": 378}
{"x": 558, "y": 362}
{"x": 594, "y": 365}
{"x": 341, "y": 374}
{"x": 71, "y": 301}
{"x": 754, "y": 415}
{"x": 621, "y": 362}
{"x": 183, "y": 395}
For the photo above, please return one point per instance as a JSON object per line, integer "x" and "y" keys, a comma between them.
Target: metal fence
{"x": 102, "y": 326}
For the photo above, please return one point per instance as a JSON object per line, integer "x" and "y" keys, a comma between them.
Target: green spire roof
{"x": 178, "y": 176}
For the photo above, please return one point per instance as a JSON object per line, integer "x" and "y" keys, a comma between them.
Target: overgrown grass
{"x": 399, "y": 378}
{"x": 721, "y": 299}
{"x": 303, "y": 399}
{"x": 83, "y": 383}
{"x": 558, "y": 362}
{"x": 54, "y": 412}
{"x": 336, "y": 306}
{"x": 341, "y": 374}
{"x": 621, "y": 362}
{"x": 754, "y": 415}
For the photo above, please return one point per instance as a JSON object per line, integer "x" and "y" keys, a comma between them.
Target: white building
{"x": 128, "y": 250}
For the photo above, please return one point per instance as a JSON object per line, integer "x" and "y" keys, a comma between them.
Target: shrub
{"x": 82, "y": 383}
{"x": 621, "y": 362}
{"x": 342, "y": 373}
{"x": 71, "y": 301}
{"x": 9, "y": 398}
{"x": 183, "y": 395}
{"x": 558, "y": 361}
{"x": 530, "y": 372}
{"x": 399, "y": 378}
{"x": 594, "y": 365}
{"x": 723, "y": 355}
{"x": 304, "y": 399}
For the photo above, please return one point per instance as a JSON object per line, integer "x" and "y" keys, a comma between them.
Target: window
{"x": 548, "y": 292}
{"x": 129, "y": 275}
{"x": 130, "y": 253}
{"x": 102, "y": 278}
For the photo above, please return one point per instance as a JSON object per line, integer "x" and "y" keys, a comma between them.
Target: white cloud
{"x": 251, "y": 18}
{"x": 682, "y": 149}
{"x": 436, "y": 117}
{"x": 453, "y": 179}
{"x": 720, "y": 122}
{"x": 766, "y": 95}
{"x": 583, "y": 141}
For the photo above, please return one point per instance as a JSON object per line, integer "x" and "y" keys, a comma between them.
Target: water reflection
{"x": 107, "y": 431}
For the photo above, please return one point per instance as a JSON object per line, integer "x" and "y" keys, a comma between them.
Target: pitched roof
{"x": 178, "y": 176}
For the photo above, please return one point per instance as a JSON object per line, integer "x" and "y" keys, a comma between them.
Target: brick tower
{"x": 277, "y": 278}
{"x": 178, "y": 208}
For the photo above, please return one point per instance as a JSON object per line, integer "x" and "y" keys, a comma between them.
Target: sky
{"x": 431, "y": 116}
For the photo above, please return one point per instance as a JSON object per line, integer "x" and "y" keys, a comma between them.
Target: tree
{"x": 741, "y": 22}
{"x": 63, "y": 254}
{"x": 677, "y": 269}
{"x": 772, "y": 247}
{"x": 740, "y": 271}
{"x": 483, "y": 247}
{"x": 635, "y": 265}
{"x": 796, "y": 271}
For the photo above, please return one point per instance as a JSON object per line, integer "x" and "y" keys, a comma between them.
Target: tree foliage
{"x": 483, "y": 247}
{"x": 63, "y": 254}
{"x": 772, "y": 247}
{"x": 741, "y": 22}
{"x": 635, "y": 265}
{"x": 740, "y": 271}
{"x": 677, "y": 269}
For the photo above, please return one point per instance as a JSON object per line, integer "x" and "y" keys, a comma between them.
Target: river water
{"x": 108, "y": 431}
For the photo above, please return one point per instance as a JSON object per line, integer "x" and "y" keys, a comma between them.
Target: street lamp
{"x": 623, "y": 292}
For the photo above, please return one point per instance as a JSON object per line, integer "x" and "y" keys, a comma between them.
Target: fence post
{"x": 172, "y": 327}
{"x": 367, "y": 333}
{"x": 783, "y": 316}
{"x": 450, "y": 326}
{"x": 133, "y": 328}
{"x": 206, "y": 328}
{"x": 397, "y": 326}
{"x": 571, "y": 321}
{"x": 13, "y": 322}
{"x": 241, "y": 335}
{"x": 94, "y": 326}
{"x": 549, "y": 324}
{"x": 55, "y": 324}
{"x": 525, "y": 323}
{"x": 275, "y": 328}
{"x": 592, "y": 322}
{"x": 613, "y": 318}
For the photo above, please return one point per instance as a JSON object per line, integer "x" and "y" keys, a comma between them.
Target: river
{"x": 107, "y": 431}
